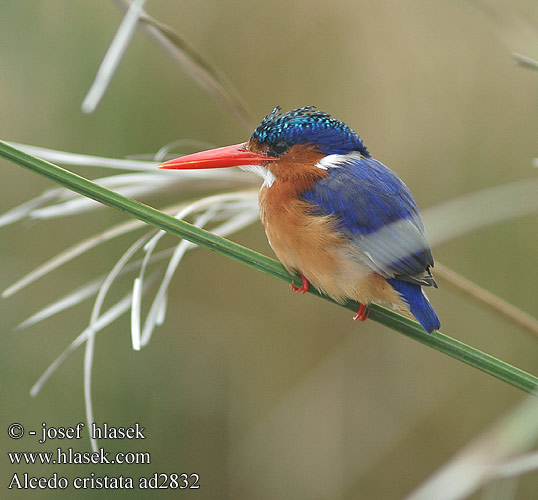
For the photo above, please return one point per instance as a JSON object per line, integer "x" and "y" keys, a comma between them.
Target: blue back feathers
{"x": 365, "y": 194}
{"x": 377, "y": 212}
{"x": 309, "y": 125}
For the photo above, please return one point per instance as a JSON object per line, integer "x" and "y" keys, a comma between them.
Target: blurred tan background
{"x": 263, "y": 393}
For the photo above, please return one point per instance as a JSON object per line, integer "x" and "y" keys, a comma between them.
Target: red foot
{"x": 303, "y": 288}
{"x": 362, "y": 313}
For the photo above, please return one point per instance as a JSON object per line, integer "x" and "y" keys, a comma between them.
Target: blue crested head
{"x": 307, "y": 125}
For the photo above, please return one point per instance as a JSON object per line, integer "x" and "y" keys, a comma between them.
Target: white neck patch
{"x": 264, "y": 173}
{"x": 335, "y": 161}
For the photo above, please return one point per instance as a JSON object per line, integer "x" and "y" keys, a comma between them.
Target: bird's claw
{"x": 303, "y": 288}
{"x": 362, "y": 313}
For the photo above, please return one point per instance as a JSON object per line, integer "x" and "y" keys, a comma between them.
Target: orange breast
{"x": 301, "y": 241}
{"x": 313, "y": 246}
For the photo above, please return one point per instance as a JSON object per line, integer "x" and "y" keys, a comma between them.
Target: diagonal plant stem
{"x": 487, "y": 299}
{"x": 182, "y": 229}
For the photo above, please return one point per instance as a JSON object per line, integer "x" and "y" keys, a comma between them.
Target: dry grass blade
{"x": 92, "y": 330}
{"x": 67, "y": 301}
{"x": 209, "y": 76}
{"x": 70, "y": 253}
{"x": 456, "y": 217}
{"x": 106, "y": 318}
{"x": 113, "y": 57}
{"x": 527, "y": 462}
{"x": 493, "y": 302}
{"x": 77, "y": 159}
{"x": 22, "y": 211}
{"x": 528, "y": 62}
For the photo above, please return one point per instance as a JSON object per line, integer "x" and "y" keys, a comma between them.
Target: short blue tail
{"x": 418, "y": 304}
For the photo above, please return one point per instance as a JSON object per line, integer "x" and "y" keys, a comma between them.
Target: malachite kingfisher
{"x": 341, "y": 219}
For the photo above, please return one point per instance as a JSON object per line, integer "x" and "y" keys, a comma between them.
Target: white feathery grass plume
{"x": 137, "y": 338}
{"x": 145, "y": 185}
{"x": 89, "y": 289}
{"x": 248, "y": 213}
{"x": 84, "y": 292}
{"x": 89, "y": 243}
{"x": 213, "y": 207}
{"x": 94, "y": 319}
{"x": 132, "y": 185}
{"x": 157, "y": 311}
{"x": 70, "y": 203}
{"x": 105, "y": 319}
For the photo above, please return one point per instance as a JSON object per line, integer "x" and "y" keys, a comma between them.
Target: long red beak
{"x": 229, "y": 156}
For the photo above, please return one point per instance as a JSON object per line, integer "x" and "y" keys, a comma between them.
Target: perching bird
{"x": 341, "y": 219}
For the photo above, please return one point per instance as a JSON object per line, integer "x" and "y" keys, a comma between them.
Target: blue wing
{"x": 376, "y": 210}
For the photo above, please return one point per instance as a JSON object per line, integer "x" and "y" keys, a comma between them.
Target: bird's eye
{"x": 279, "y": 148}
